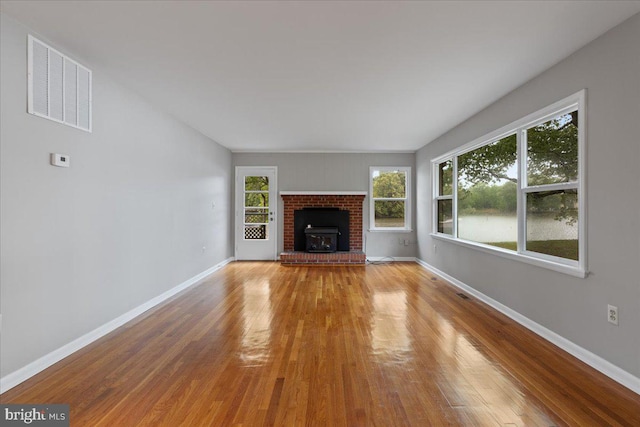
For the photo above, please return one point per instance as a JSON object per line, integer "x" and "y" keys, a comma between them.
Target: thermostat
{"x": 60, "y": 160}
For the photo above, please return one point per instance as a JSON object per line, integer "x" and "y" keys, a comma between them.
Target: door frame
{"x": 239, "y": 205}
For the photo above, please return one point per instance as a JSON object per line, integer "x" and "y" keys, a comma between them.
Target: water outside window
{"x": 552, "y": 223}
{"x": 488, "y": 194}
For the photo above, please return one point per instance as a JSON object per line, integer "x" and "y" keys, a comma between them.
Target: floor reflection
{"x": 256, "y": 319}
{"x": 472, "y": 382}
{"x": 390, "y": 341}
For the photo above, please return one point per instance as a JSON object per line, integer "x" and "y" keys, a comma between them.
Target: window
{"x": 390, "y": 201}
{"x": 59, "y": 88}
{"x": 487, "y": 194}
{"x": 444, "y": 198}
{"x": 551, "y": 190}
{"x": 519, "y": 192}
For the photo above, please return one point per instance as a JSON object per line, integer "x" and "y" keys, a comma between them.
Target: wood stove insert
{"x": 321, "y": 217}
{"x": 321, "y": 239}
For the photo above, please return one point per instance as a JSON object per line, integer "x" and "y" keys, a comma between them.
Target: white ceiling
{"x": 321, "y": 76}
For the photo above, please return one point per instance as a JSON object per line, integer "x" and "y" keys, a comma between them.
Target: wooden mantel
{"x": 322, "y": 193}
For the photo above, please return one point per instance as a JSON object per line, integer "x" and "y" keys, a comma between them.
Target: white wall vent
{"x": 59, "y": 88}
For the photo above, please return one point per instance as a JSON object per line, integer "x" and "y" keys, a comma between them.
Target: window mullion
{"x": 521, "y": 147}
{"x": 454, "y": 198}
{"x": 434, "y": 196}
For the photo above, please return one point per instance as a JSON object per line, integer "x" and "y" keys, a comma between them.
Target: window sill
{"x": 390, "y": 230}
{"x": 572, "y": 270}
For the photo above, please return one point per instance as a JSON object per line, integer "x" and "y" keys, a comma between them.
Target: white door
{"x": 256, "y": 220}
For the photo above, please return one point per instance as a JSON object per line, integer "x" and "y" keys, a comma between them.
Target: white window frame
{"x": 407, "y": 198}
{"x": 440, "y": 197}
{"x": 571, "y": 103}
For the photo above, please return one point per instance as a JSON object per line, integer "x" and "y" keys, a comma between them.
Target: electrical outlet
{"x": 612, "y": 314}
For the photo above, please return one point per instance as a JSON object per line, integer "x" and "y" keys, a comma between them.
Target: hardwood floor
{"x": 382, "y": 345}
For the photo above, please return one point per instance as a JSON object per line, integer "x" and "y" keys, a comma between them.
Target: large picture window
{"x": 519, "y": 191}
{"x": 390, "y": 190}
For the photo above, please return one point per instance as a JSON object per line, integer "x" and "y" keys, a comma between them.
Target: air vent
{"x": 59, "y": 88}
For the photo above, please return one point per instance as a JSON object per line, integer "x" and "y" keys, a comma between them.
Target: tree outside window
{"x": 390, "y": 198}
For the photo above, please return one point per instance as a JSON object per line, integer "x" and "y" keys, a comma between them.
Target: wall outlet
{"x": 612, "y": 314}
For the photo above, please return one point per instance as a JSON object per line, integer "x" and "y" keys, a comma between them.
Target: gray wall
{"x": 609, "y": 68}
{"x": 338, "y": 171}
{"x": 125, "y": 223}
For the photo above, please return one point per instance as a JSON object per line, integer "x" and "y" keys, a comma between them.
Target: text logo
{"x": 34, "y": 415}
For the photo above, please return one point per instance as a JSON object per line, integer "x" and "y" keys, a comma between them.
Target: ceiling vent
{"x": 59, "y": 88}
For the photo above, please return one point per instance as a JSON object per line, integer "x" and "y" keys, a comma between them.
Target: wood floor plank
{"x": 258, "y": 343}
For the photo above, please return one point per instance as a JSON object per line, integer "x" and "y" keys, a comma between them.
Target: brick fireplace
{"x": 351, "y": 201}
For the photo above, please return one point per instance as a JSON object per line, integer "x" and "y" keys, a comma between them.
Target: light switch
{"x": 60, "y": 160}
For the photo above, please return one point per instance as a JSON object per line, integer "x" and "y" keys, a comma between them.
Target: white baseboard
{"x": 609, "y": 369}
{"x": 390, "y": 259}
{"x": 13, "y": 379}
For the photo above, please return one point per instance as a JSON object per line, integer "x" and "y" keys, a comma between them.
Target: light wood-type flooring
{"x": 257, "y": 343}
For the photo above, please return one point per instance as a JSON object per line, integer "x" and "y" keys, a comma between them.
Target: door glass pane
{"x": 255, "y": 232}
{"x": 389, "y": 213}
{"x": 552, "y": 223}
{"x": 552, "y": 151}
{"x": 256, "y": 183}
{"x": 256, "y": 212}
{"x": 256, "y": 216}
{"x": 256, "y": 200}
